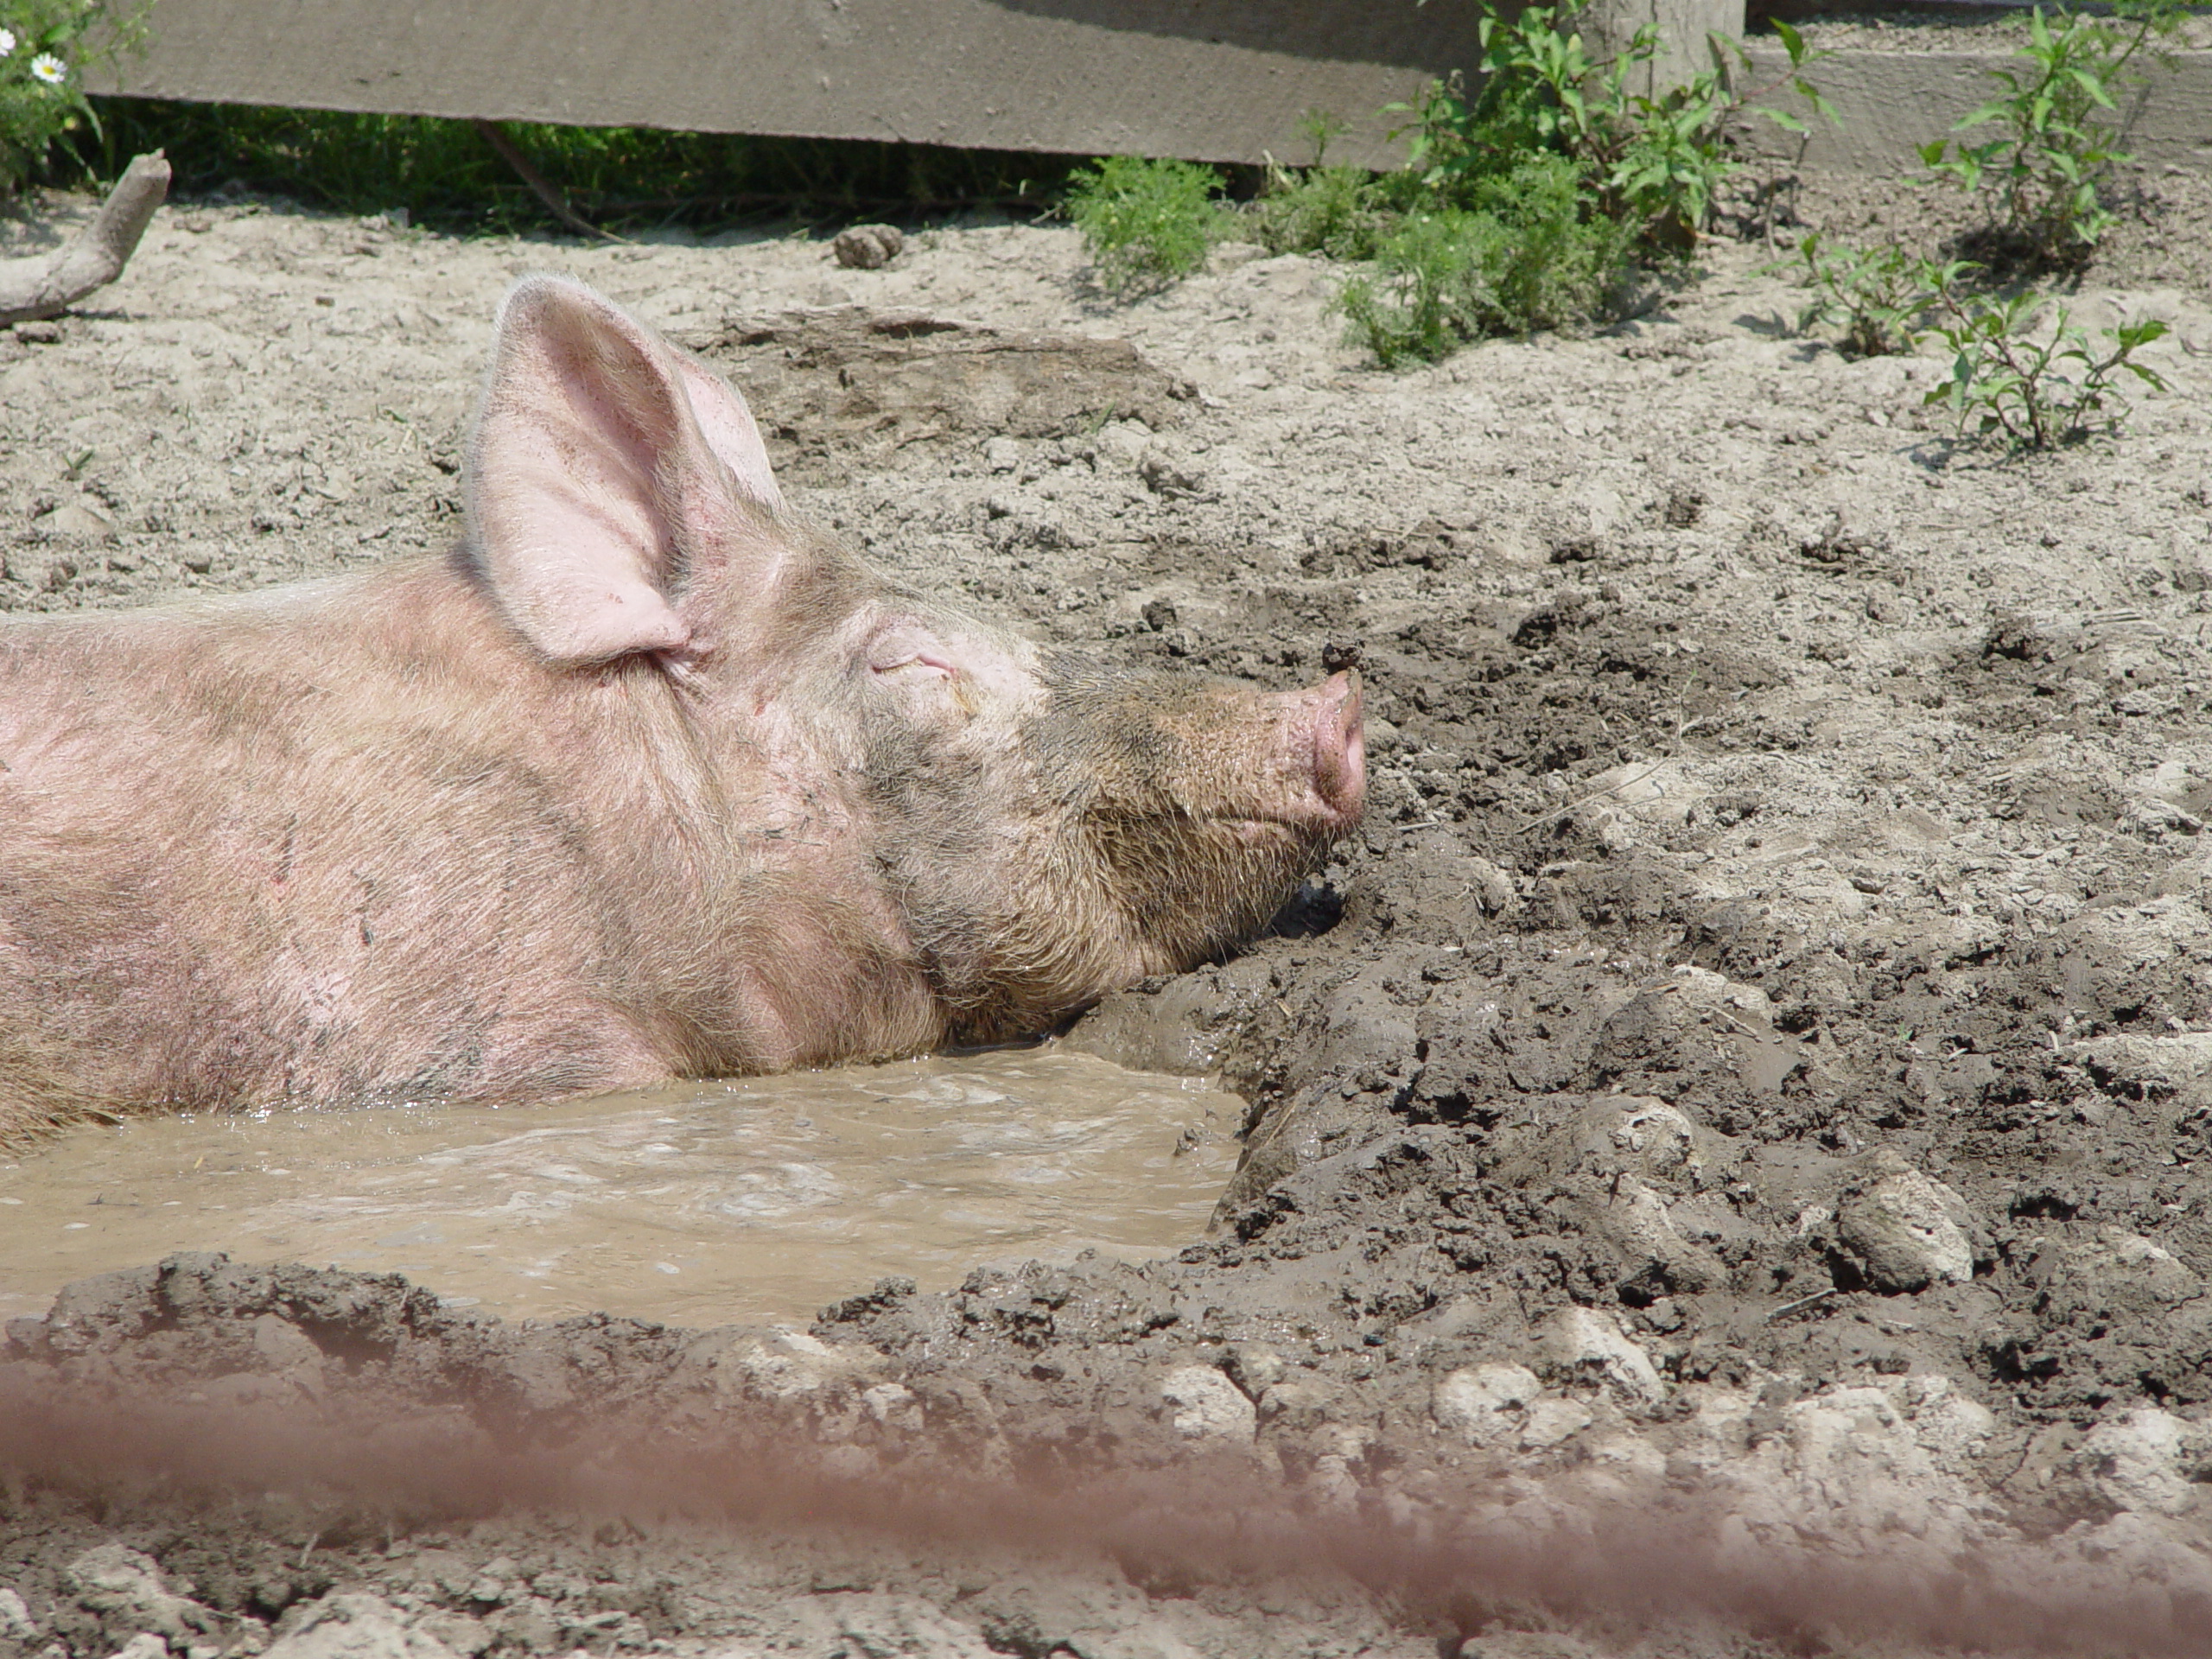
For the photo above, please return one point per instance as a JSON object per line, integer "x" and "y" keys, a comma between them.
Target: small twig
{"x": 307, "y": 1548}
{"x": 1787, "y": 1308}
{"x": 1595, "y": 794}
{"x": 542, "y": 187}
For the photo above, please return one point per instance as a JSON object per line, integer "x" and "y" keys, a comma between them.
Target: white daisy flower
{"x": 49, "y": 69}
{"x": 7, "y": 41}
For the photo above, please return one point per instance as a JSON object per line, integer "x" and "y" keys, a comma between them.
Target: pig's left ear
{"x": 604, "y": 468}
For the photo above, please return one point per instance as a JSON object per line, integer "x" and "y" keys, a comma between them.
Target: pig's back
{"x": 318, "y": 846}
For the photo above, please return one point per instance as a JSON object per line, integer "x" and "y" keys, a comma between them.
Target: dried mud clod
{"x": 849, "y": 384}
{"x": 868, "y": 247}
{"x": 348, "y": 1469}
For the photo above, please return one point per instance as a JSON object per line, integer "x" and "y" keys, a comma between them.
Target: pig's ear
{"x": 603, "y": 465}
{"x": 730, "y": 431}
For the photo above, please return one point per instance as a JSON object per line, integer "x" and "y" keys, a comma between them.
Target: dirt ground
{"x": 1729, "y": 1165}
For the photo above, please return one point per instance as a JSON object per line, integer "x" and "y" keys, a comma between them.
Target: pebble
{"x": 352, "y": 1626}
{"x": 1908, "y": 1231}
{"x": 1256, "y": 1369}
{"x": 1208, "y": 1405}
{"x": 2145, "y": 1461}
{"x": 787, "y": 1366}
{"x": 1484, "y": 1405}
{"x": 78, "y": 522}
{"x": 125, "y": 1586}
{"x": 868, "y": 247}
{"x": 1583, "y": 1339}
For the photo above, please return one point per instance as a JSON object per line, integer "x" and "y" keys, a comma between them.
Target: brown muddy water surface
{"x": 701, "y": 1204}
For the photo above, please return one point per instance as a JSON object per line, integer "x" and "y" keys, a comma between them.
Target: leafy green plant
{"x": 46, "y": 46}
{"x": 2057, "y": 135}
{"x": 1430, "y": 291}
{"x": 1655, "y": 161}
{"x": 1881, "y": 296}
{"x": 1146, "y": 222}
{"x": 1525, "y": 253}
{"x": 1342, "y": 212}
{"x": 2014, "y": 384}
{"x": 1525, "y": 204}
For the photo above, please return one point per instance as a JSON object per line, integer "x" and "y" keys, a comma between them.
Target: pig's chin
{"x": 1299, "y": 833}
{"x": 1240, "y": 870}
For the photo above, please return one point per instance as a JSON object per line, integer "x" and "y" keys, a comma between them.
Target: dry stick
{"x": 1787, "y": 1308}
{"x": 545, "y": 190}
{"x": 1595, "y": 794}
{"x": 45, "y": 285}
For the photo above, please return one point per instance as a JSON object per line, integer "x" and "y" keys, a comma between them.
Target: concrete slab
{"x": 1891, "y": 103}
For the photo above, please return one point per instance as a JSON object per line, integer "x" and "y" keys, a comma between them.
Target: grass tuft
{"x": 1147, "y": 222}
{"x": 1522, "y": 254}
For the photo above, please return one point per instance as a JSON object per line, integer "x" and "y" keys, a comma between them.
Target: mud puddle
{"x": 749, "y": 1199}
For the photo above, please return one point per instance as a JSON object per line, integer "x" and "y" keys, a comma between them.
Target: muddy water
{"x": 756, "y": 1198}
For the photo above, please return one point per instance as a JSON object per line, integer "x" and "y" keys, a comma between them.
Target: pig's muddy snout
{"x": 1340, "y": 747}
{"x": 1323, "y": 756}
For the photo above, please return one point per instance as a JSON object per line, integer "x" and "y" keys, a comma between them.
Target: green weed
{"x": 1883, "y": 297}
{"x": 2057, "y": 135}
{"x": 2008, "y": 385}
{"x": 1146, "y": 222}
{"x": 1526, "y": 203}
{"x": 1525, "y": 253}
{"x": 1656, "y": 162}
{"x": 1341, "y": 212}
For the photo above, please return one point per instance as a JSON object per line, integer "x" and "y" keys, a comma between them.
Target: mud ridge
{"x": 352, "y": 1409}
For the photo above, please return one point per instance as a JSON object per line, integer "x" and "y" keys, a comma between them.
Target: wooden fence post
{"x": 1609, "y": 25}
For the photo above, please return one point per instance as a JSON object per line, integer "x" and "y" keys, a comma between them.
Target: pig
{"x": 645, "y": 779}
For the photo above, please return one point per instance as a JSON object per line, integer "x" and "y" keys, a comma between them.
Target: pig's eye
{"x": 917, "y": 665}
{"x": 910, "y": 651}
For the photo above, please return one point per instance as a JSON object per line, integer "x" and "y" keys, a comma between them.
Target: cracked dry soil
{"x": 1729, "y": 1162}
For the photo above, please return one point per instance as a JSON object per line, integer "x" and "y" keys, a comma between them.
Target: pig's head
{"x": 1044, "y": 828}
{"x": 1056, "y": 828}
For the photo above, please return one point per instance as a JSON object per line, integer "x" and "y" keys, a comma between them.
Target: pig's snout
{"x": 1319, "y": 757}
{"x": 1340, "y": 747}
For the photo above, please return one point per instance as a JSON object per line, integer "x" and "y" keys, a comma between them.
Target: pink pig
{"x": 645, "y": 779}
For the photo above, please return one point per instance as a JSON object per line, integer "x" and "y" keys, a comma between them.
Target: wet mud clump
{"x": 1727, "y": 1142}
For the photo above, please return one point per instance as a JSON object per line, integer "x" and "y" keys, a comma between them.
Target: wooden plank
{"x": 1225, "y": 80}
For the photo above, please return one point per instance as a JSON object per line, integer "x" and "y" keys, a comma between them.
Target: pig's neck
{"x": 759, "y": 935}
